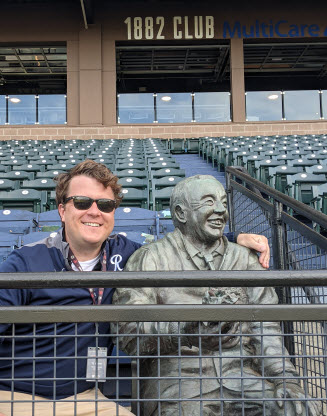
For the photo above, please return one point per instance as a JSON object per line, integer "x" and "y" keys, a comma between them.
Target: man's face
{"x": 86, "y": 229}
{"x": 206, "y": 215}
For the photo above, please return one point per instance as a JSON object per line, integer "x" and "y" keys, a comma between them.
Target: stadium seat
{"x": 177, "y": 145}
{"x": 133, "y": 197}
{"x": 34, "y": 237}
{"x": 138, "y": 236}
{"x": 60, "y": 166}
{"x": 277, "y": 176}
{"x": 40, "y": 184}
{"x": 4, "y": 168}
{"x": 250, "y": 163}
{"x": 162, "y": 165}
{"x": 136, "y": 219}
{"x": 130, "y": 165}
{"x": 49, "y": 174}
{"x": 303, "y": 162}
{"x": 261, "y": 168}
{"x": 131, "y": 173}
{"x": 17, "y": 221}
{"x": 192, "y": 145}
{"x": 8, "y": 242}
{"x": 299, "y": 186}
{"x": 165, "y": 222}
{"x": 161, "y": 173}
{"x": 26, "y": 199}
{"x": 18, "y": 175}
{"x": 161, "y": 183}
{"x": 48, "y": 221}
{"x": 51, "y": 202}
{"x": 8, "y": 185}
{"x": 161, "y": 198}
{"x": 317, "y": 170}
{"x": 129, "y": 159}
{"x": 132, "y": 182}
{"x": 30, "y": 167}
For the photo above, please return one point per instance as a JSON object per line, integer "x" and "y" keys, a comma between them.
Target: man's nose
{"x": 93, "y": 209}
{"x": 219, "y": 207}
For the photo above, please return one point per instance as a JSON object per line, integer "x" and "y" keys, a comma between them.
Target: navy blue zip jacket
{"x": 53, "y": 372}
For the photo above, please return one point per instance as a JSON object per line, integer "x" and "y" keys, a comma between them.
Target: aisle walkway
{"x": 194, "y": 164}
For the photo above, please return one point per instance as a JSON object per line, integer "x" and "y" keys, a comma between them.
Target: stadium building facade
{"x": 163, "y": 69}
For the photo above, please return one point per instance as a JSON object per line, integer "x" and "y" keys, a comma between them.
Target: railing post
{"x": 279, "y": 259}
{"x": 278, "y": 237}
{"x": 229, "y": 192}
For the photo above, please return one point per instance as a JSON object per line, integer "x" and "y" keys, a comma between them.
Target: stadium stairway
{"x": 195, "y": 165}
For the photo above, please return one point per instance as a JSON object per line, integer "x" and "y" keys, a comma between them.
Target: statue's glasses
{"x": 84, "y": 202}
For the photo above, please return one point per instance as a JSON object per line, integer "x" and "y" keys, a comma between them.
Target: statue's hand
{"x": 257, "y": 243}
{"x": 295, "y": 391}
{"x": 213, "y": 334}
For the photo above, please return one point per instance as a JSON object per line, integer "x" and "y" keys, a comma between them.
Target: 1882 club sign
{"x": 206, "y": 27}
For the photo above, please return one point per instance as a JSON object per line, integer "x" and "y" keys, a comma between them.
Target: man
{"x": 198, "y": 207}
{"x": 87, "y": 197}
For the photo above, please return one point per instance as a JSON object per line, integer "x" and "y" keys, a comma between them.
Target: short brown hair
{"x": 92, "y": 169}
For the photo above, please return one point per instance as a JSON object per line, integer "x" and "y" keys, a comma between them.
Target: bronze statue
{"x": 228, "y": 370}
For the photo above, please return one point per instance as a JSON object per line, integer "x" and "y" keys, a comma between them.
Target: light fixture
{"x": 273, "y": 97}
{"x": 14, "y": 100}
{"x": 166, "y": 98}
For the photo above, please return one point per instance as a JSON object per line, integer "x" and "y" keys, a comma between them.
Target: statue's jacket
{"x": 260, "y": 356}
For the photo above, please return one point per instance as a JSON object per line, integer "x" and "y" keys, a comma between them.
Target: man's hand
{"x": 295, "y": 391}
{"x": 258, "y": 243}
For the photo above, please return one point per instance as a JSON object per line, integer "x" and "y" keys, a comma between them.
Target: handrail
{"x": 299, "y": 207}
{"x": 162, "y": 313}
{"x": 197, "y": 278}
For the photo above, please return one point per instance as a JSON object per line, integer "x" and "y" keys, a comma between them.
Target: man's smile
{"x": 216, "y": 222}
{"x": 92, "y": 224}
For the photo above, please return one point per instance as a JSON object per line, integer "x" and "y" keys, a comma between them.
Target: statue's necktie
{"x": 208, "y": 258}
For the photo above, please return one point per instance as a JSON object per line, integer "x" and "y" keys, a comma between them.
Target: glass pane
{"x": 31, "y": 57}
{"x": 135, "y": 108}
{"x": 302, "y": 105}
{"x": 212, "y": 106}
{"x": 174, "y": 108}
{"x": 22, "y": 109}
{"x": 324, "y": 103}
{"x": 52, "y": 109}
{"x": 263, "y": 106}
{"x": 2, "y": 109}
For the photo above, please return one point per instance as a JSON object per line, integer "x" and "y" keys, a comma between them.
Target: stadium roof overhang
{"x": 184, "y": 66}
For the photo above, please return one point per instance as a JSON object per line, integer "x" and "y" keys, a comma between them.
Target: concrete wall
{"x": 162, "y": 131}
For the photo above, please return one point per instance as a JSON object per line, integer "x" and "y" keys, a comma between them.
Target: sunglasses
{"x": 84, "y": 202}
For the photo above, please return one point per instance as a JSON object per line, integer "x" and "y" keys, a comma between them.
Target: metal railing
{"x": 204, "y": 359}
{"x": 198, "y": 379}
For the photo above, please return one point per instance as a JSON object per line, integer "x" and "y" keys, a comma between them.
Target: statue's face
{"x": 207, "y": 214}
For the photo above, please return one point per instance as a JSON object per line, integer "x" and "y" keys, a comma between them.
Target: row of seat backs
{"x": 18, "y": 227}
{"x": 217, "y": 148}
{"x": 175, "y": 145}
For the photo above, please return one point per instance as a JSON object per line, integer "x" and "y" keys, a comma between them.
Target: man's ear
{"x": 180, "y": 214}
{"x": 61, "y": 210}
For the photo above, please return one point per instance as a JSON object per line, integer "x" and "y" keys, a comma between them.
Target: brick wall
{"x": 166, "y": 131}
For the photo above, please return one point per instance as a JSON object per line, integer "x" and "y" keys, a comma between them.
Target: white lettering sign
{"x": 184, "y": 27}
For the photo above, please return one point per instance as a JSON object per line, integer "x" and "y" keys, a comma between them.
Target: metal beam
{"x": 163, "y": 313}
{"x": 169, "y": 47}
{"x": 230, "y": 278}
{"x": 87, "y": 12}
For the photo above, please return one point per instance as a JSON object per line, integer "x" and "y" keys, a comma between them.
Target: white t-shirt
{"x": 87, "y": 265}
